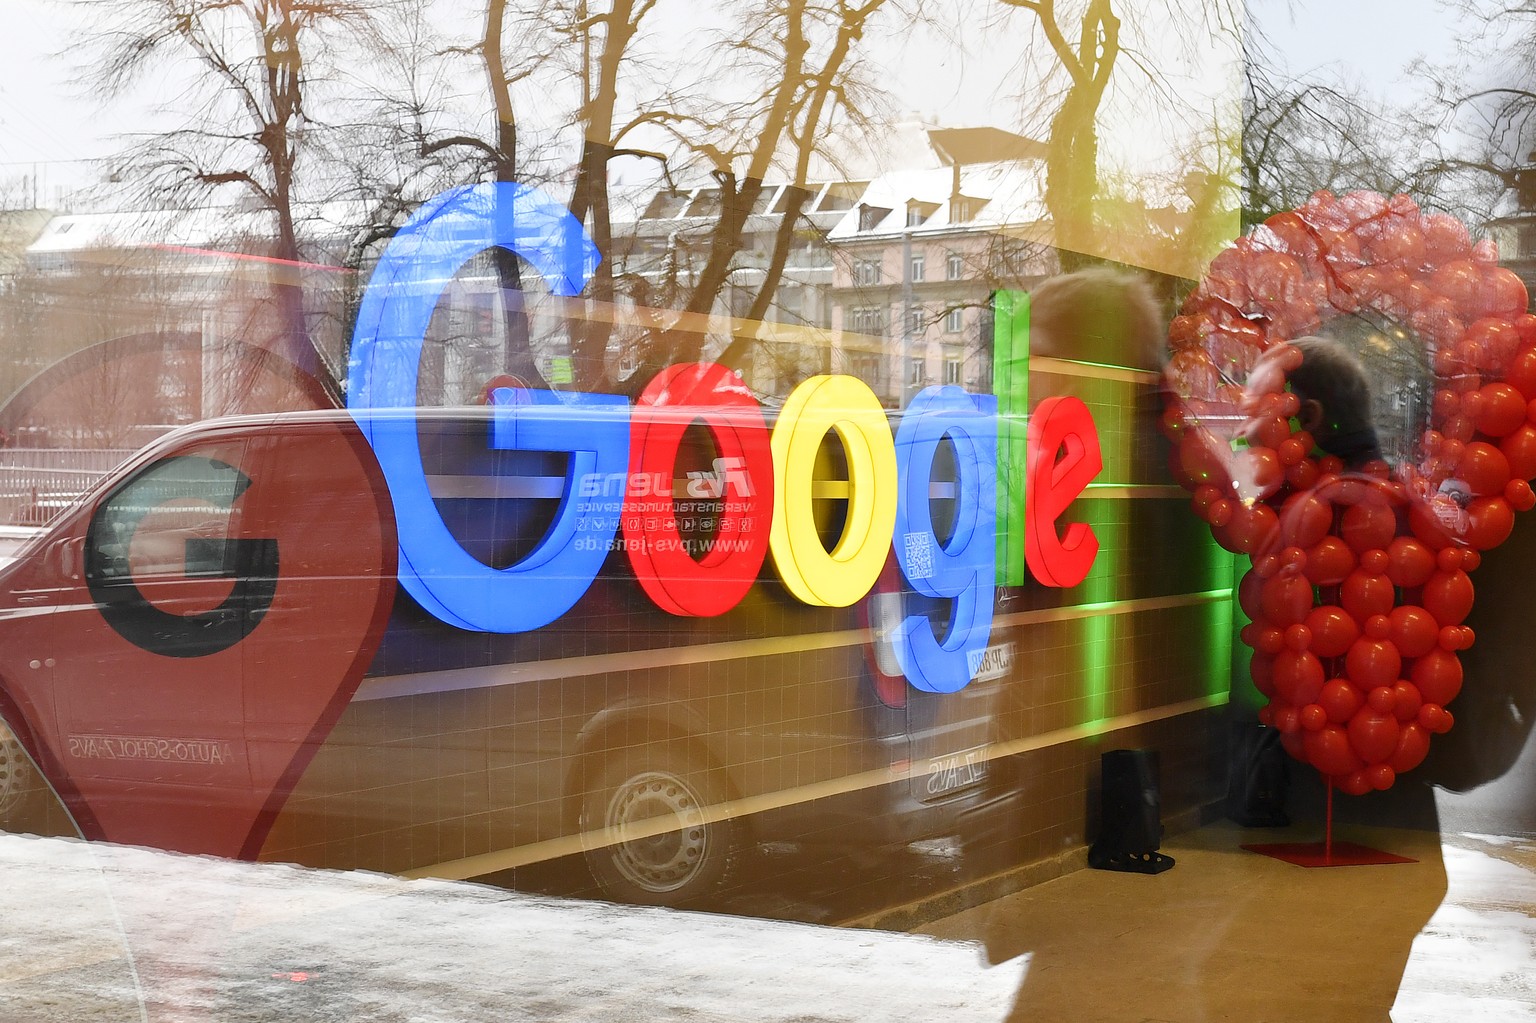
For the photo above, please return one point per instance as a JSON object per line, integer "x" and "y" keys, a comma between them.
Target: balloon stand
{"x": 1326, "y": 853}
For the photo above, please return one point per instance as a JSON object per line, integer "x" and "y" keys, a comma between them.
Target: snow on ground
{"x": 91, "y": 933}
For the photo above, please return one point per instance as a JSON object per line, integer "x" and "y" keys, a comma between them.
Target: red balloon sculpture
{"x": 1359, "y": 582}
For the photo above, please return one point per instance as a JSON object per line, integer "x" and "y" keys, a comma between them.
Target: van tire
{"x": 678, "y": 867}
{"x": 23, "y": 793}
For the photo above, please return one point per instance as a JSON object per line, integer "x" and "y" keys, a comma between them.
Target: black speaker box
{"x": 1130, "y": 827}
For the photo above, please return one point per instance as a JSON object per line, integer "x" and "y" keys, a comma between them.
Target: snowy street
{"x": 97, "y": 933}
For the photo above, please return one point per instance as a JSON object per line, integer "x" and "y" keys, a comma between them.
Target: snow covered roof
{"x": 992, "y": 195}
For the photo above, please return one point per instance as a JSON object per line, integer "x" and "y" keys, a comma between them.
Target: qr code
{"x": 919, "y": 550}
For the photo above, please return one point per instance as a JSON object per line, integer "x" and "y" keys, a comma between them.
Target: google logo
{"x": 1004, "y": 491}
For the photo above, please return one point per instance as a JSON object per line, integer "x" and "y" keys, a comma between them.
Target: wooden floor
{"x": 1228, "y": 934}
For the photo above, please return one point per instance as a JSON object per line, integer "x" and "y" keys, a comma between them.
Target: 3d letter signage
{"x": 762, "y": 484}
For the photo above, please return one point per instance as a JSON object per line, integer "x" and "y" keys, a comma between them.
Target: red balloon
{"x": 1458, "y": 281}
{"x": 1373, "y": 736}
{"x": 1205, "y": 495}
{"x": 1502, "y": 293}
{"x": 1329, "y": 561}
{"x": 1435, "y": 718}
{"x": 1333, "y": 630}
{"x": 1375, "y": 561}
{"x": 1438, "y": 676}
{"x": 1364, "y": 594}
{"x": 1356, "y": 783}
{"x": 1521, "y": 372}
{"x": 1484, "y": 467}
{"x": 1448, "y": 596}
{"x": 1381, "y": 776}
{"x": 1380, "y": 700}
{"x": 1298, "y": 638}
{"x": 1258, "y": 529}
{"x": 1503, "y": 410}
{"x": 1293, "y": 450}
{"x": 1313, "y": 717}
{"x": 1490, "y": 520}
{"x": 1328, "y": 749}
{"x": 1453, "y": 637}
{"x": 1285, "y": 718}
{"x": 1201, "y": 460}
{"x": 1340, "y": 700}
{"x": 1406, "y": 701}
{"x": 1248, "y": 594}
{"x": 1251, "y": 530}
{"x": 1267, "y": 639}
{"x": 1458, "y": 428}
{"x": 1409, "y": 562}
{"x": 1445, "y": 239}
{"x": 1519, "y": 449}
{"x": 1258, "y": 473}
{"x": 1368, "y": 526}
{"x": 1305, "y": 519}
{"x": 1520, "y": 495}
{"x": 1286, "y": 599}
{"x": 1271, "y": 432}
{"x": 1373, "y": 662}
{"x": 1304, "y": 474}
{"x": 1412, "y": 746}
{"x": 1298, "y": 677}
{"x": 1261, "y": 668}
{"x": 1414, "y": 630}
{"x": 1426, "y": 525}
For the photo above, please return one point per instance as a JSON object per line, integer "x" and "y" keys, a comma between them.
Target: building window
{"x": 955, "y": 268}
{"x": 954, "y": 321}
{"x": 915, "y": 216}
{"x": 915, "y": 319}
{"x": 865, "y": 320}
{"x": 867, "y": 368}
{"x": 954, "y": 366}
{"x": 917, "y": 266}
{"x": 870, "y": 216}
{"x": 866, "y": 272}
{"x": 915, "y": 371}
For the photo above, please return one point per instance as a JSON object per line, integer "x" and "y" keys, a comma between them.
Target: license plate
{"x": 996, "y": 662}
{"x": 956, "y": 770}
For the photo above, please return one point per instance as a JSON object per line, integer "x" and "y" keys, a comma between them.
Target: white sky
{"x": 963, "y": 71}
{"x": 43, "y": 122}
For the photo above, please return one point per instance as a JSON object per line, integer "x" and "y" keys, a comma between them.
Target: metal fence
{"x": 36, "y": 484}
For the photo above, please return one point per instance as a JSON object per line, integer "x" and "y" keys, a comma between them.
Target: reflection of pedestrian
{"x": 1335, "y": 401}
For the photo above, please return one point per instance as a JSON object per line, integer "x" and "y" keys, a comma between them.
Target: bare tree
{"x": 1302, "y": 135}
{"x": 255, "y": 72}
{"x": 1486, "y": 98}
{"x": 1089, "y": 44}
{"x": 801, "y": 58}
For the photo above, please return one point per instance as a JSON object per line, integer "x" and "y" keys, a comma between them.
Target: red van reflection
{"x": 209, "y": 653}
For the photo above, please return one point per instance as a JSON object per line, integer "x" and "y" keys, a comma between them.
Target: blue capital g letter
{"x": 963, "y": 568}
{"x": 594, "y": 428}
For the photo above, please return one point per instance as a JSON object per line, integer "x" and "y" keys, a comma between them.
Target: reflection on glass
{"x": 1397, "y": 367}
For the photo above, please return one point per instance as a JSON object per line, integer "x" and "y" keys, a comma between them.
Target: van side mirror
{"x": 67, "y": 556}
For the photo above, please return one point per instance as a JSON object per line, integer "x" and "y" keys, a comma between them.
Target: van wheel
{"x": 691, "y": 859}
{"x": 21, "y": 787}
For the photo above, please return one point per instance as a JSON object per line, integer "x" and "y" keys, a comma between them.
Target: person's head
{"x": 1097, "y": 315}
{"x": 1335, "y": 400}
